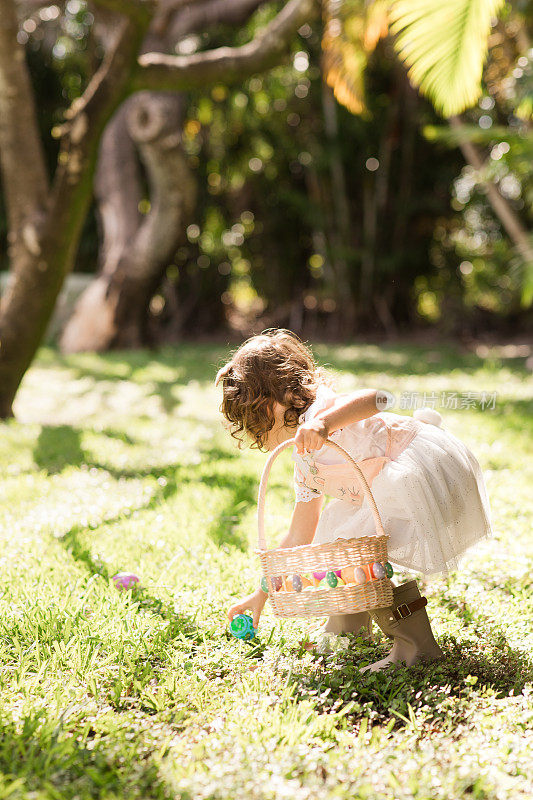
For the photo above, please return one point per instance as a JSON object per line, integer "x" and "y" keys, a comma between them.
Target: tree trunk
{"x": 375, "y": 194}
{"x": 340, "y": 232}
{"x": 43, "y": 254}
{"x": 25, "y": 182}
{"x": 44, "y": 248}
{"x": 136, "y": 249}
{"x": 23, "y": 177}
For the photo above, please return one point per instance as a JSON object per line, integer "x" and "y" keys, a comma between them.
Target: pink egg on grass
{"x": 126, "y": 580}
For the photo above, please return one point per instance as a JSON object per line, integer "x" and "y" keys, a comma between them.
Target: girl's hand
{"x": 254, "y": 602}
{"x": 311, "y": 435}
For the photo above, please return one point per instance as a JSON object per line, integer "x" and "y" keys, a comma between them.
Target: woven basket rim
{"x": 321, "y": 545}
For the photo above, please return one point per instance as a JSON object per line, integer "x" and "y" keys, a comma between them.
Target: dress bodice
{"x": 372, "y": 442}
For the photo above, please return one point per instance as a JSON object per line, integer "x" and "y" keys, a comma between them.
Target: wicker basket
{"x": 339, "y": 554}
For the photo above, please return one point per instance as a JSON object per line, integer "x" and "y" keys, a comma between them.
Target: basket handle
{"x": 261, "y": 540}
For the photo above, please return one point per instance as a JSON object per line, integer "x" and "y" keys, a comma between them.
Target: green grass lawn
{"x": 119, "y": 462}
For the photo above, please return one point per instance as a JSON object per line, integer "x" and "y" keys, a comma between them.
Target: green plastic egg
{"x": 389, "y": 570}
{"x": 325, "y": 585}
{"x": 331, "y": 579}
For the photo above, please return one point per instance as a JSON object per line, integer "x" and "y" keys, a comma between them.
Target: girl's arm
{"x": 301, "y": 531}
{"x": 346, "y": 409}
{"x": 303, "y": 523}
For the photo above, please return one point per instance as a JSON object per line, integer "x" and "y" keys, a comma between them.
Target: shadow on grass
{"x": 516, "y": 413}
{"x": 221, "y": 529}
{"x": 180, "y": 623}
{"x": 441, "y": 689}
{"x": 242, "y": 493}
{"x": 57, "y": 447}
{"x": 197, "y": 362}
{"x": 407, "y": 359}
{"x": 43, "y": 755}
{"x": 60, "y": 446}
{"x": 242, "y": 496}
{"x": 179, "y": 366}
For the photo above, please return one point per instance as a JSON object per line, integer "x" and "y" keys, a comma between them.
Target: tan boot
{"x": 350, "y": 623}
{"x": 329, "y": 637}
{"x": 408, "y": 624}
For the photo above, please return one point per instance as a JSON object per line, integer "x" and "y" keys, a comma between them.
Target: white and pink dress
{"x": 428, "y": 487}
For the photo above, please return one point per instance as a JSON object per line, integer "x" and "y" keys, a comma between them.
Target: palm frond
{"x": 453, "y": 137}
{"x": 444, "y": 45}
{"x": 352, "y": 28}
{"x": 376, "y": 23}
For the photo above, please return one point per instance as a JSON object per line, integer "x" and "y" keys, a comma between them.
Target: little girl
{"x": 427, "y": 484}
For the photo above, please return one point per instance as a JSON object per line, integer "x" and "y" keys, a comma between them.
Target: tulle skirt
{"x": 432, "y": 500}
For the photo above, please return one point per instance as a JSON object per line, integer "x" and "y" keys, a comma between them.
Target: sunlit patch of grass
{"x": 119, "y": 462}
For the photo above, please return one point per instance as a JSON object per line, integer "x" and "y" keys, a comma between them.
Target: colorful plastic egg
{"x": 297, "y": 584}
{"x": 320, "y": 575}
{"x": 359, "y": 575}
{"x": 126, "y": 580}
{"x": 264, "y": 584}
{"x": 276, "y": 582}
{"x": 331, "y": 579}
{"x": 242, "y": 627}
{"x": 389, "y": 570}
{"x": 325, "y": 585}
{"x": 347, "y": 574}
{"x": 378, "y": 570}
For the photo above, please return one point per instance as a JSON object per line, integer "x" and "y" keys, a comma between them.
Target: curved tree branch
{"x": 135, "y": 9}
{"x": 500, "y": 205}
{"x": 207, "y": 13}
{"x": 169, "y": 25}
{"x": 136, "y": 249}
{"x": 166, "y": 10}
{"x": 170, "y": 6}
{"x": 227, "y": 64}
{"x": 45, "y": 255}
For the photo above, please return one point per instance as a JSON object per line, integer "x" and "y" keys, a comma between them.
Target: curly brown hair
{"x": 274, "y": 366}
